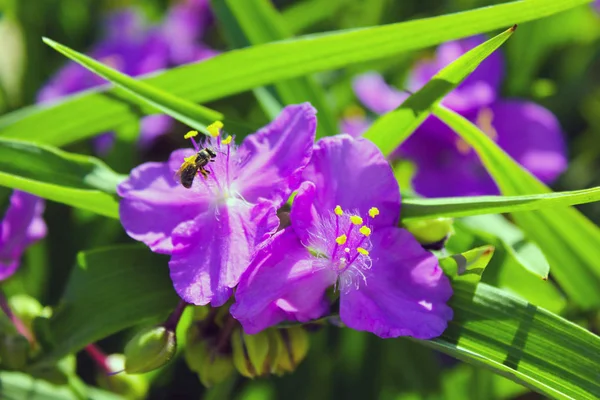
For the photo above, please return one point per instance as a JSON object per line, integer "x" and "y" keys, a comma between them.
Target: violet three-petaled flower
{"x": 213, "y": 229}
{"x": 133, "y": 47}
{"x": 445, "y": 164}
{"x": 344, "y": 234}
{"x": 21, "y": 226}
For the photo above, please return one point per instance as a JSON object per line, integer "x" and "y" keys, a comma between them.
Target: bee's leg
{"x": 204, "y": 172}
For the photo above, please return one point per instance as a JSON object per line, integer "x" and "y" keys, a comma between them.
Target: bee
{"x": 194, "y": 164}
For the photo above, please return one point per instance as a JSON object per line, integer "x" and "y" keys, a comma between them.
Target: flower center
{"x": 340, "y": 241}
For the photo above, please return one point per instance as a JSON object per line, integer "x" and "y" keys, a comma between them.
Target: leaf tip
{"x": 513, "y": 28}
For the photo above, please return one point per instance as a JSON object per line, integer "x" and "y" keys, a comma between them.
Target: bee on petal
{"x": 194, "y": 164}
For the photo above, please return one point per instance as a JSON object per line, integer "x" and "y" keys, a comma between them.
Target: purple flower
{"x": 213, "y": 229}
{"x": 21, "y": 226}
{"x": 344, "y": 234}
{"x": 446, "y": 165}
{"x": 134, "y": 48}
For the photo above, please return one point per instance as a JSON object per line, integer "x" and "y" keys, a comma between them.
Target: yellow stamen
{"x": 373, "y": 212}
{"x": 190, "y": 134}
{"x": 227, "y": 140}
{"x": 356, "y": 220}
{"x": 365, "y": 230}
{"x": 338, "y": 210}
{"x": 341, "y": 239}
{"x": 362, "y": 251}
{"x": 215, "y": 128}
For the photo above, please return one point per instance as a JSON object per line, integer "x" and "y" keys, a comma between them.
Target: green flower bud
{"x": 129, "y": 386}
{"x": 14, "y": 351}
{"x": 431, "y": 230}
{"x": 293, "y": 345}
{"x": 150, "y": 349}
{"x": 212, "y": 365}
{"x": 253, "y": 355}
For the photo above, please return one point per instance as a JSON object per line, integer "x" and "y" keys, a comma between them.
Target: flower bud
{"x": 129, "y": 386}
{"x": 14, "y": 350}
{"x": 253, "y": 355}
{"x": 431, "y": 231}
{"x": 150, "y": 349}
{"x": 293, "y": 345}
{"x": 212, "y": 365}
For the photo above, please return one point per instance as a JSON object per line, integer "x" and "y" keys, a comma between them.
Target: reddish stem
{"x": 98, "y": 356}
{"x": 19, "y": 325}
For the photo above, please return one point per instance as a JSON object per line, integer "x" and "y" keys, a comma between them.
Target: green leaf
{"x": 261, "y": 23}
{"x": 72, "y": 179}
{"x": 17, "y": 385}
{"x": 100, "y": 110}
{"x": 111, "y": 289}
{"x": 522, "y": 342}
{"x": 569, "y": 240}
{"x": 524, "y": 274}
{"x": 467, "y": 266}
{"x": 419, "y": 209}
{"x": 193, "y": 115}
{"x": 392, "y": 128}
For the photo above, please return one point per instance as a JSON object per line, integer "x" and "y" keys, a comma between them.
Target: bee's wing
{"x": 177, "y": 174}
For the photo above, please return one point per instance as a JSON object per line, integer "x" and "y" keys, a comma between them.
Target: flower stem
{"x": 98, "y": 356}
{"x": 173, "y": 320}
{"x": 19, "y": 325}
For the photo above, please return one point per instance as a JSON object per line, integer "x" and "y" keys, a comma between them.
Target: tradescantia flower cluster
{"x": 225, "y": 238}
{"x": 445, "y": 164}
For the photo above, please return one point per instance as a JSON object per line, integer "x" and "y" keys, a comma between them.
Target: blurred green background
{"x": 554, "y": 61}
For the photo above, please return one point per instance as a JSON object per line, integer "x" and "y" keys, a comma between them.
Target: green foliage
{"x": 73, "y": 179}
{"x": 110, "y": 289}
{"x": 83, "y": 116}
{"x": 569, "y": 240}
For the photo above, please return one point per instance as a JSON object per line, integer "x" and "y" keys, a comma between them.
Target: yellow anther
{"x": 190, "y": 134}
{"x": 341, "y": 239}
{"x": 365, "y": 230}
{"x": 347, "y": 250}
{"x": 227, "y": 140}
{"x": 215, "y": 128}
{"x": 362, "y": 251}
{"x": 338, "y": 210}
{"x": 373, "y": 212}
{"x": 356, "y": 220}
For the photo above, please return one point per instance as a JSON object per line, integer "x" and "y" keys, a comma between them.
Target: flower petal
{"x": 153, "y": 126}
{"x": 445, "y": 164}
{"x": 295, "y": 290}
{"x": 479, "y": 89}
{"x": 212, "y": 251}
{"x": 276, "y": 155}
{"x": 21, "y": 226}
{"x": 532, "y": 136}
{"x": 353, "y": 174}
{"x": 303, "y": 214}
{"x": 405, "y": 292}
{"x": 375, "y": 94}
{"x": 154, "y": 203}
